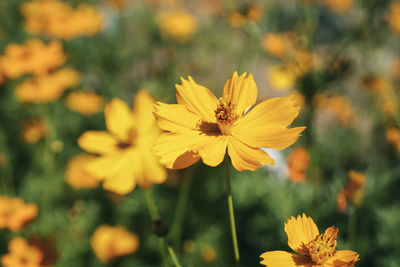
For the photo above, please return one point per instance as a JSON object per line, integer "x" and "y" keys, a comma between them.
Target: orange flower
{"x": 339, "y": 106}
{"x": 77, "y": 176}
{"x": 208, "y": 254}
{"x": 393, "y": 137}
{"x": 177, "y": 24}
{"x": 33, "y": 130}
{"x": 314, "y": 249}
{"x": 275, "y": 44}
{"x": 125, "y": 158}
{"x": 394, "y": 17}
{"x": 202, "y": 126}
{"x": 298, "y": 164}
{"x": 22, "y": 254}
{"x": 33, "y": 57}
{"x": 15, "y": 214}
{"x": 110, "y": 242}
{"x": 340, "y": 6}
{"x": 85, "y": 103}
{"x": 353, "y": 192}
{"x": 47, "y": 88}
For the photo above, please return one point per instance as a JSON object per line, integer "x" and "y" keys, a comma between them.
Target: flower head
{"x": 177, "y": 24}
{"x": 85, "y": 103}
{"x": 15, "y": 213}
{"x": 314, "y": 249}
{"x": 125, "y": 158}
{"x": 202, "y": 126}
{"x": 353, "y": 192}
{"x": 22, "y": 254}
{"x": 298, "y": 164}
{"x": 33, "y": 130}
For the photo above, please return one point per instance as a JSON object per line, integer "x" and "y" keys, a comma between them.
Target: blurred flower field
{"x": 199, "y": 133}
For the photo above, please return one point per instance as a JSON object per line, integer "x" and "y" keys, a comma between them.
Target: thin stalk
{"x": 172, "y": 254}
{"x": 352, "y": 227}
{"x": 231, "y": 213}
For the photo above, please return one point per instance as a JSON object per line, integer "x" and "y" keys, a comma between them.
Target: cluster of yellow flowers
{"x": 58, "y": 19}
{"x": 15, "y": 213}
{"x": 353, "y": 192}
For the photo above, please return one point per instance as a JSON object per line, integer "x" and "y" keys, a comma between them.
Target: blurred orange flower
{"x": 77, "y": 176}
{"x": 313, "y": 248}
{"x": 394, "y": 17}
{"x": 15, "y": 213}
{"x": 22, "y": 254}
{"x": 60, "y": 20}
{"x": 251, "y": 13}
{"x": 202, "y": 126}
{"x": 85, "y": 103}
{"x": 393, "y": 137}
{"x": 339, "y": 106}
{"x": 340, "y": 6}
{"x": 353, "y": 192}
{"x": 209, "y": 254}
{"x": 33, "y": 57}
{"x": 47, "y": 88}
{"x": 125, "y": 157}
{"x": 110, "y": 242}
{"x": 177, "y": 24}
{"x": 298, "y": 163}
{"x": 33, "y": 130}
{"x": 281, "y": 78}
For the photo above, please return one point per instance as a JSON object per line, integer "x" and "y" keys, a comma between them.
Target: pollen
{"x": 323, "y": 246}
{"x": 225, "y": 116}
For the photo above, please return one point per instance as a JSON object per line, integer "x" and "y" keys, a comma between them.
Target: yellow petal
{"x": 284, "y": 259}
{"x": 119, "y": 119}
{"x": 300, "y": 231}
{"x": 173, "y": 149}
{"x": 143, "y": 107}
{"x": 344, "y": 258}
{"x": 245, "y": 157}
{"x": 104, "y": 166}
{"x": 175, "y": 117}
{"x": 197, "y": 99}
{"x": 211, "y": 150}
{"x": 151, "y": 171}
{"x": 241, "y": 91}
{"x": 98, "y": 142}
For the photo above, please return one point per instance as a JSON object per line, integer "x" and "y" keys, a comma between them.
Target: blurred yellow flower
{"x": 33, "y": 57}
{"x": 47, "y": 88}
{"x": 202, "y": 126}
{"x": 298, "y": 163}
{"x": 394, "y": 17}
{"x": 275, "y": 44}
{"x": 85, "y": 103}
{"x": 60, "y": 20}
{"x": 339, "y": 106}
{"x": 281, "y": 78}
{"x": 313, "y": 248}
{"x": 125, "y": 157}
{"x": 240, "y": 17}
{"x": 110, "y": 242}
{"x": 340, "y": 6}
{"x": 32, "y": 130}
{"x": 177, "y": 24}
{"x": 209, "y": 254}
{"x": 118, "y": 4}
{"x": 77, "y": 176}
{"x": 15, "y": 213}
{"x": 393, "y": 137}
{"x": 353, "y": 192}
{"x": 22, "y": 254}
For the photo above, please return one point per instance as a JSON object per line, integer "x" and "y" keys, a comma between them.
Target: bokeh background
{"x": 340, "y": 56}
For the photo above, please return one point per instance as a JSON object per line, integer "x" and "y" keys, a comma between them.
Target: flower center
{"x": 225, "y": 116}
{"x": 323, "y": 246}
{"x": 129, "y": 142}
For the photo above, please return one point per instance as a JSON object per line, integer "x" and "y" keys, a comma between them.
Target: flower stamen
{"x": 225, "y": 116}
{"x": 323, "y": 246}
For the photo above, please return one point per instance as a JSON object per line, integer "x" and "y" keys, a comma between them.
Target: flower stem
{"x": 352, "y": 226}
{"x": 231, "y": 214}
{"x": 172, "y": 254}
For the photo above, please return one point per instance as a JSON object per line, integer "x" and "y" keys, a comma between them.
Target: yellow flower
{"x": 314, "y": 249}
{"x": 298, "y": 163}
{"x": 208, "y": 254}
{"x": 237, "y": 20}
{"x": 202, "y": 126}
{"x": 46, "y": 88}
{"x": 22, "y": 254}
{"x": 77, "y": 176}
{"x": 15, "y": 214}
{"x": 110, "y": 242}
{"x": 85, "y": 103}
{"x": 393, "y": 137}
{"x": 394, "y": 17}
{"x": 33, "y": 130}
{"x": 125, "y": 157}
{"x": 340, "y": 6}
{"x": 281, "y": 78}
{"x": 177, "y": 24}
{"x": 33, "y": 57}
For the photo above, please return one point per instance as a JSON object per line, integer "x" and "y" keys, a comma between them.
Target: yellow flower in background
{"x": 394, "y": 17}
{"x": 33, "y": 130}
{"x": 119, "y": 4}
{"x": 353, "y": 192}
{"x": 298, "y": 162}
{"x": 340, "y": 6}
{"x": 281, "y": 78}
{"x": 177, "y": 24}
{"x": 209, "y": 254}
{"x": 76, "y": 174}
{"x": 274, "y": 44}
{"x": 393, "y": 137}
{"x": 85, "y": 103}
{"x": 60, "y": 20}
{"x": 110, "y": 242}
{"x": 33, "y": 57}
{"x": 202, "y": 126}
{"x": 313, "y": 248}
{"x": 15, "y": 213}
{"x": 339, "y": 106}
{"x": 125, "y": 157}
{"x": 245, "y": 14}
{"x": 47, "y": 88}
{"x": 22, "y": 254}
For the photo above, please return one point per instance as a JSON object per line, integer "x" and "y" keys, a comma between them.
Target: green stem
{"x": 172, "y": 254}
{"x": 352, "y": 227}
{"x": 231, "y": 214}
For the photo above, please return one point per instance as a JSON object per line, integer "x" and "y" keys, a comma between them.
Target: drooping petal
{"x": 261, "y": 136}
{"x": 143, "y": 107}
{"x": 98, "y": 142}
{"x": 244, "y": 157}
{"x": 197, "y": 99}
{"x": 151, "y": 171}
{"x": 119, "y": 119}
{"x": 173, "y": 149}
{"x": 284, "y": 259}
{"x": 342, "y": 258}
{"x": 241, "y": 91}
{"x": 300, "y": 231}
{"x": 175, "y": 117}
{"x": 212, "y": 149}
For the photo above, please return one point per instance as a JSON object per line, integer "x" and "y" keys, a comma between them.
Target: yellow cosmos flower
{"x": 15, "y": 213}
{"x": 125, "y": 157}
{"x": 22, "y": 254}
{"x": 77, "y": 176}
{"x": 202, "y": 126}
{"x": 85, "y": 103}
{"x": 315, "y": 249}
{"x": 177, "y": 24}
